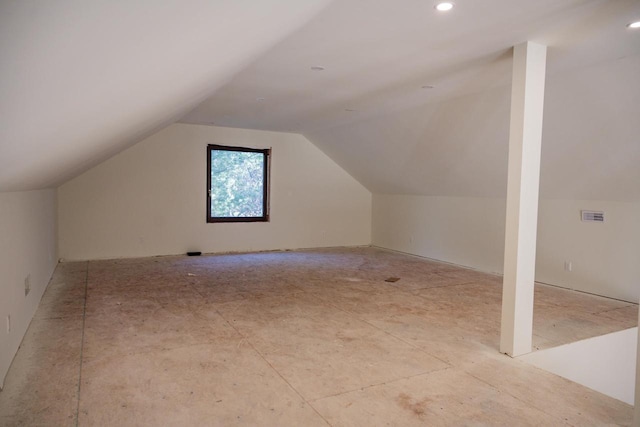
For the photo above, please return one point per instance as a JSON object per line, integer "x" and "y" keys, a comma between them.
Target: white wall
{"x": 470, "y": 232}
{"x": 604, "y": 256}
{"x": 461, "y": 230}
{"x": 151, "y": 199}
{"x": 606, "y": 363}
{"x": 27, "y": 249}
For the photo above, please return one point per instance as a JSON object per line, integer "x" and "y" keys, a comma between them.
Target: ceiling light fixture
{"x": 350, "y": 110}
{"x": 317, "y": 68}
{"x": 634, "y": 25}
{"x": 444, "y": 6}
{"x": 260, "y": 99}
{"x": 427, "y": 87}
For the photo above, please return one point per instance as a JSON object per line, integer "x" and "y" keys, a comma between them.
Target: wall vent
{"x": 592, "y": 216}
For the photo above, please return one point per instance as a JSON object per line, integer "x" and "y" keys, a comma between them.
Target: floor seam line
{"x": 415, "y": 347}
{"x": 380, "y": 384}
{"x": 441, "y": 286}
{"x": 585, "y": 292}
{"x": 597, "y": 313}
{"x": 136, "y": 353}
{"x": 274, "y": 369}
{"x": 511, "y": 394}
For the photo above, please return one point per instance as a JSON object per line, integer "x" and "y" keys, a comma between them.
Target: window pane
{"x": 237, "y": 180}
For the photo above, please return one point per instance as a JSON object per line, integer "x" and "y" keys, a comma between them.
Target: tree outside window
{"x": 237, "y": 184}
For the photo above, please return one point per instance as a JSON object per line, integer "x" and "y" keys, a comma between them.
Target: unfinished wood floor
{"x": 299, "y": 338}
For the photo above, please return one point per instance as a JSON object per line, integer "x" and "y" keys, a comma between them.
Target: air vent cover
{"x": 592, "y": 216}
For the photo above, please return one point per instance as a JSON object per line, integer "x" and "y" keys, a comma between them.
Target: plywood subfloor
{"x": 300, "y": 338}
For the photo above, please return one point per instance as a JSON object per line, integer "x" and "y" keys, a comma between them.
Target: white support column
{"x": 525, "y": 140}
{"x": 636, "y": 408}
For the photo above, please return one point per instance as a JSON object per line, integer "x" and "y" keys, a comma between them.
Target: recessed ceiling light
{"x": 427, "y": 87}
{"x": 260, "y": 99}
{"x": 317, "y": 68}
{"x": 444, "y": 6}
{"x": 634, "y": 25}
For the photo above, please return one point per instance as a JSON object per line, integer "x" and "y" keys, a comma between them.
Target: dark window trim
{"x": 265, "y": 188}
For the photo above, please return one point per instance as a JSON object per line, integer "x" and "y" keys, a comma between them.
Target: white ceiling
{"x": 379, "y": 53}
{"x": 451, "y": 140}
{"x": 83, "y": 80}
{"x": 459, "y": 147}
{"x": 80, "y": 80}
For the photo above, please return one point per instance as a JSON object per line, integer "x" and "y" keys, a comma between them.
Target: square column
{"x": 525, "y": 141}
{"x": 636, "y": 408}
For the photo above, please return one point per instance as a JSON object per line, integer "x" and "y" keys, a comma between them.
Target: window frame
{"x": 266, "y": 182}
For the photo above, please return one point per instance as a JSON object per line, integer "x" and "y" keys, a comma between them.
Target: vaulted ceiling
{"x": 378, "y": 55}
{"x": 407, "y": 99}
{"x": 81, "y": 80}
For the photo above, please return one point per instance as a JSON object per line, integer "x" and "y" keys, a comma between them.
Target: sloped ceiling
{"x": 81, "y": 80}
{"x": 370, "y": 110}
{"x": 410, "y": 101}
{"x": 459, "y": 147}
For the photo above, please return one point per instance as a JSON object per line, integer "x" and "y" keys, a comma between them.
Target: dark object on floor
{"x": 198, "y": 253}
{"x": 392, "y": 279}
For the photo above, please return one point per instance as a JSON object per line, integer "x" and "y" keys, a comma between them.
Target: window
{"x": 237, "y": 184}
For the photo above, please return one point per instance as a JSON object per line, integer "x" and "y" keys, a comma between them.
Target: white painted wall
{"x": 470, "y": 231}
{"x": 28, "y": 248}
{"x": 604, "y": 256}
{"x": 461, "y": 230}
{"x": 606, "y": 363}
{"x": 151, "y": 199}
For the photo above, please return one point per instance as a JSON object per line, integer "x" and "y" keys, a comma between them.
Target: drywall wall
{"x": 604, "y": 256}
{"x": 151, "y": 199}
{"x": 461, "y": 230}
{"x": 28, "y": 253}
{"x": 470, "y": 232}
{"x": 606, "y": 363}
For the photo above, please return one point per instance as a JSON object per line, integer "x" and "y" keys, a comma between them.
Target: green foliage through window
{"x": 237, "y": 184}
